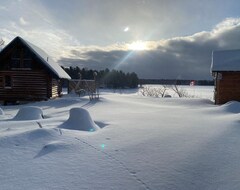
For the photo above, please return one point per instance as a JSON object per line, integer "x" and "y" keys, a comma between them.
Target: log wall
{"x": 227, "y": 87}
{"x": 54, "y": 88}
{"x": 26, "y": 85}
{"x": 30, "y": 79}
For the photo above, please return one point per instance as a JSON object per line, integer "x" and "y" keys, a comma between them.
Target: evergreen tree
{"x": 107, "y": 78}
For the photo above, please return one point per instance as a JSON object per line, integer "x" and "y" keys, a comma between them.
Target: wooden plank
{"x": 25, "y": 85}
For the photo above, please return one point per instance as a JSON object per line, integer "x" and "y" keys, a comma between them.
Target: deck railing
{"x": 84, "y": 87}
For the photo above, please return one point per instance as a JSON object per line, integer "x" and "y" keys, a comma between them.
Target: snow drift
{"x": 231, "y": 107}
{"x": 79, "y": 119}
{"x": 1, "y": 111}
{"x": 52, "y": 147}
{"x": 29, "y": 113}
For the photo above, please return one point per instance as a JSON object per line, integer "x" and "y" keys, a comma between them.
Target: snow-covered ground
{"x": 134, "y": 143}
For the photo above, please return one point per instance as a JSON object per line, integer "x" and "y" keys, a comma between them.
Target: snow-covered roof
{"x": 227, "y": 60}
{"x": 44, "y": 57}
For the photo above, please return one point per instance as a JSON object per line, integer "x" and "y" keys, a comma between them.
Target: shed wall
{"x": 227, "y": 87}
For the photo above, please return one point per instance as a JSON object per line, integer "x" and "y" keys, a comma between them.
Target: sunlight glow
{"x": 126, "y": 29}
{"x": 137, "y": 46}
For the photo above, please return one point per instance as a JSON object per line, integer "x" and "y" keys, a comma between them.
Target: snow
{"x": 48, "y": 61}
{"x": 227, "y": 60}
{"x": 231, "y": 107}
{"x": 29, "y": 113}
{"x": 79, "y": 119}
{"x": 1, "y": 111}
{"x": 141, "y": 143}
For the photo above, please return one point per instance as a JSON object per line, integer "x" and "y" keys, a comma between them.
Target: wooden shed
{"x": 225, "y": 69}
{"x": 27, "y": 73}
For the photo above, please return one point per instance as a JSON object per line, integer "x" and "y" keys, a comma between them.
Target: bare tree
{"x": 154, "y": 91}
{"x": 2, "y": 42}
{"x": 179, "y": 91}
{"x": 161, "y": 91}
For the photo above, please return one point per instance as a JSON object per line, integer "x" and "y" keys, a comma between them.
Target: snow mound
{"x": 232, "y": 107}
{"x": 39, "y": 134}
{"x": 35, "y": 135}
{"x": 79, "y": 119}
{"x": 31, "y": 137}
{"x": 52, "y": 147}
{"x": 29, "y": 113}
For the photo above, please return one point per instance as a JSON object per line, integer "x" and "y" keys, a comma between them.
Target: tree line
{"x": 105, "y": 78}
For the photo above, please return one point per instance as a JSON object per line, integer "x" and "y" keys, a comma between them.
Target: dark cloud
{"x": 178, "y": 58}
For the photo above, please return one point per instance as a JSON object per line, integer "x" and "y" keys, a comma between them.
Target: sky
{"x": 157, "y": 39}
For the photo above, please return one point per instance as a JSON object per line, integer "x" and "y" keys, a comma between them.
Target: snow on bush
{"x": 154, "y": 91}
{"x": 164, "y": 90}
{"x": 182, "y": 91}
{"x": 29, "y": 113}
{"x": 79, "y": 119}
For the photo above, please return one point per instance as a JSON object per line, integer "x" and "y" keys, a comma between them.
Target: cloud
{"x": 23, "y": 22}
{"x": 3, "y": 8}
{"x": 186, "y": 57}
{"x": 179, "y": 57}
{"x": 226, "y": 24}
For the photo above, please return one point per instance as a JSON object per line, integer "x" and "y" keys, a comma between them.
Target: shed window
{"x": 8, "y": 81}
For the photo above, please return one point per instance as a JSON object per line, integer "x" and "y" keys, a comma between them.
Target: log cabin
{"x": 225, "y": 68}
{"x": 27, "y": 73}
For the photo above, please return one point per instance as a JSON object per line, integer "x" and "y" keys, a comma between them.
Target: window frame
{"x": 23, "y": 55}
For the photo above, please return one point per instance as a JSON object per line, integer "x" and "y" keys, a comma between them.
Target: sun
{"x": 137, "y": 46}
{"x": 126, "y": 29}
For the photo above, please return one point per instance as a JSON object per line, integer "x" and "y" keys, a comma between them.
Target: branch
{"x": 2, "y": 42}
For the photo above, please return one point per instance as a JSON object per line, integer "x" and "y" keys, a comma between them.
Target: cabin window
{"x": 7, "y": 81}
{"x": 27, "y": 63}
{"x": 16, "y": 59}
{"x": 26, "y": 54}
{"x": 27, "y": 59}
{"x": 21, "y": 60}
{"x": 15, "y": 63}
{"x": 16, "y": 54}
